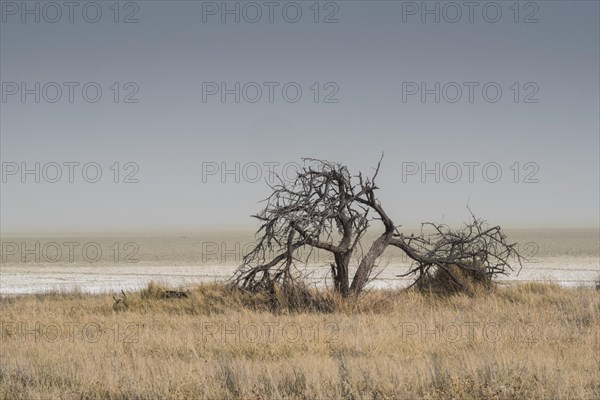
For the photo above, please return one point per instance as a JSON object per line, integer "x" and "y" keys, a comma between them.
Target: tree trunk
{"x": 368, "y": 263}
{"x": 340, "y": 277}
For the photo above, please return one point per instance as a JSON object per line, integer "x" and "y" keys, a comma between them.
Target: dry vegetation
{"x": 528, "y": 341}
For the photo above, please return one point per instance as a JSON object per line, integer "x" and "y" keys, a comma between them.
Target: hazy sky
{"x": 361, "y": 79}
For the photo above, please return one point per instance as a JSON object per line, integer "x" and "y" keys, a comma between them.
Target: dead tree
{"x": 328, "y": 209}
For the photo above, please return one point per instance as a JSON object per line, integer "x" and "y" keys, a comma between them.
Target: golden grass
{"x": 528, "y": 341}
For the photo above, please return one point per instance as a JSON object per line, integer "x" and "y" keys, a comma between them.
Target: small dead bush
{"x": 453, "y": 280}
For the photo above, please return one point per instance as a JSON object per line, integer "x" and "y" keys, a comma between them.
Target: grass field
{"x": 524, "y": 342}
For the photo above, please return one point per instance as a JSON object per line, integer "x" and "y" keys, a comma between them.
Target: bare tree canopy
{"x": 328, "y": 209}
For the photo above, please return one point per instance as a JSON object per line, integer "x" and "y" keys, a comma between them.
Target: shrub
{"x": 455, "y": 280}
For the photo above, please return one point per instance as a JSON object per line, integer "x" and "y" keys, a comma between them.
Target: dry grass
{"x": 528, "y": 341}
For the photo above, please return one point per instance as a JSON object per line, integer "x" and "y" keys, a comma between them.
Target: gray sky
{"x": 370, "y": 68}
